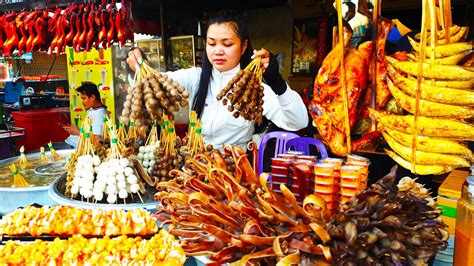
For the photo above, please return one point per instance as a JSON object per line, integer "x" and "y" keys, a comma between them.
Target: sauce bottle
{"x": 464, "y": 234}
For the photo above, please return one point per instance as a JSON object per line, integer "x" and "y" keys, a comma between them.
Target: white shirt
{"x": 287, "y": 111}
{"x": 97, "y": 117}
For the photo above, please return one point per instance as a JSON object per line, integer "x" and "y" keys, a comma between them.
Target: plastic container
{"x": 321, "y": 188}
{"x": 324, "y": 174}
{"x": 356, "y": 158}
{"x": 349, "y": 190}
{"x": 448, "y": 195}
{"x": 276, "y": 178}
{"x": 280, "y": 170}
{"x": 351, "y": 175}
{"x": 334, "y": 161}
{"x": 41, "y": 126}
{"x": 14, "y": 197}
{"x": 303, "y": 175}
{"x": 290, "y": 157}
{"x": 56, "y": 194}
{"x": 295, "y": 153}
{"x": 328, "y": 197}
{"x": 364, "y": 172}
{"x": 281, "y": 162}
{"x": 310, "y": 158}
{"x": 345, "y": 198}
{"x": 464, "y": 234}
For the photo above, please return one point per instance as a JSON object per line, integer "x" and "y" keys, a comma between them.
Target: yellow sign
{"x": 96, "y": 67}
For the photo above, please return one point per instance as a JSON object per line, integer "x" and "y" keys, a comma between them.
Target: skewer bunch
{"x": 195, "y": 139}
{"x": 114, "y": 151}
{"x": 170, "y": 141}
{"x": 121, "y": 135}
{"x": 153, "y": 136}
{"x": 153, "y": 95}
{"x": 105, "y": 129}
{"x": 132, "y": 134}
{"x": 244, "y": 93}
{"x": 54, "y": 154}
{"x": 23, "y": 160}
{"x": 164, "y": 130}
{"x": 18, "y": 180}
{"x": 43, "y": 157}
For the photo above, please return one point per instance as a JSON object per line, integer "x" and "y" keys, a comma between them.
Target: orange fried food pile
{"x": 162, "y": 249}
{"x": 65, "y": 221}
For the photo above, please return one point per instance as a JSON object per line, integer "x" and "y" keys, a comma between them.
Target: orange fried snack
{"x": 66, "y": 221}
{"x": 161, "y": 249}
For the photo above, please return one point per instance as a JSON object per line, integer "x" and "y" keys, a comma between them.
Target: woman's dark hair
{"x": 243, "y": 34}
{"x": 89, "y": 89}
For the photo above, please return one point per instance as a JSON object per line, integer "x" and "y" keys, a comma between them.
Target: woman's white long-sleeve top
{"x": 219, "y": 126}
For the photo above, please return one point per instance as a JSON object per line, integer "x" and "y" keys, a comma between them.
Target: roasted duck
{"x": 327, "y": 107}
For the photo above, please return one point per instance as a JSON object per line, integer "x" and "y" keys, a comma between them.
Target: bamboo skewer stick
{"x": 153, "y": 136}
{"x": 343, "y": 75}
{"x": 114, "y": 151}
{"x": 199, "y": 140}
{"x": 446, "y": 10}
{"x": 373, "y": 60}
{"x": 191, "y": 129}
{"x": 121, "y": 135}
{"x": 419, "y": 81}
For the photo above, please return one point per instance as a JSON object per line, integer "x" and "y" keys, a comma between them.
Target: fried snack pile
{"x": 161, "y": 249}
{"x": 237, "y": 217}
{"x": 66, "y": 221}
{"x": 387, "y": 226}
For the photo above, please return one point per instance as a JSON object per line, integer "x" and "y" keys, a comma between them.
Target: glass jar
{"x": 464, "y": 234}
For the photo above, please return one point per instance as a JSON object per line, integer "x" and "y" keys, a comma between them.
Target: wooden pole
{"x": 373, "y": 60}
{"x": 419, "y": 80}
{"x": 343, "y": 75}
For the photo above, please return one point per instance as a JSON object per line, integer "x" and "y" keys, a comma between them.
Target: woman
{"x": 90, "y": 97}
{"x": 228, "y": 49}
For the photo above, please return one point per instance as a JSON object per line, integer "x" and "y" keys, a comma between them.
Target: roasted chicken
{"x": 327, "y": 106}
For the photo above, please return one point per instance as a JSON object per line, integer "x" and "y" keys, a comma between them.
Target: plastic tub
{"x": 14, "y": 197}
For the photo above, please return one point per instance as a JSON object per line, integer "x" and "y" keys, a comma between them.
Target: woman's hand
{"x": 72, "y": 130}
{"x": 264, "y": 54}
{"x": 271, "y": 74}
{"x": 134, "y": 59}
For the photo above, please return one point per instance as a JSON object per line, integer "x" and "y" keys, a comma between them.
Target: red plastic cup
{"x": 328, "y": 196}
{"x": 280, "y": 178}
{"x": 280, "y": 170}
{"x": 319, "y": 188}
{"x": 310, "y": 158}
{"x": 290, "y": 157}
{"x": 281, "y": 162}
{"x": 349, "y": 190}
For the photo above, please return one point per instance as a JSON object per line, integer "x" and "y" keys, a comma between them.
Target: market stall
{"x": 142, "y": 194}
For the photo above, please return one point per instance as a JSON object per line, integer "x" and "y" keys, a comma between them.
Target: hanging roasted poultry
{"x": 327, "y": 106}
